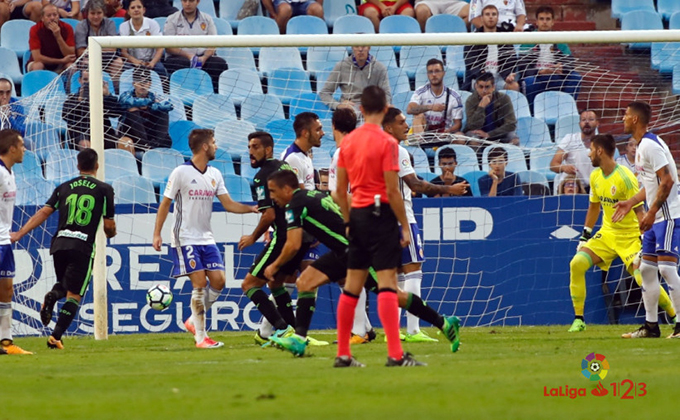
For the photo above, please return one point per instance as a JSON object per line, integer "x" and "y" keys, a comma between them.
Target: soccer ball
{"x": 595, "y": 366}
{"x": 159, "y": 297}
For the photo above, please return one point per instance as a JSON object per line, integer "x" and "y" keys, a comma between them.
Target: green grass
{"x": 499, "y": 373}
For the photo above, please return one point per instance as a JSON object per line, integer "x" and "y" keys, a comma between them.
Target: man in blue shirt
{"x": 499, "y": 182}
{"x": 11, "y": 112}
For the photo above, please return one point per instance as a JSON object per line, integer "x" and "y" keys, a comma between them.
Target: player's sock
{"x": 66, "y": 314}
{"x": 305, "y": 311}
{"x": 211, "y": 295}
{"x": 650, "y": 290}
{"x": 412, "y": 285}
{"x": 388, "y": 311}
{"x": 266, "y": 307}
{"x": 578, "y": 267}
{"x": 284, "y": 305}
{"x": 669, "y": 271}
{"x": 360, "y": 316}
{"x": 664, "y": 301}
{"x": 198, "y": 312}
{"x": 418, "y": 308}
{"x": 5, "y": 320}
{"x": 401, "y": 283}
{"x": 346, "y": 305}
{"x": 580, "y": 317}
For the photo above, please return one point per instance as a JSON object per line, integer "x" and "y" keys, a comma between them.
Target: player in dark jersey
{"x": 281, "y": 316}
{"x": 317, "y": 214}
{"x": 82, "y": 203}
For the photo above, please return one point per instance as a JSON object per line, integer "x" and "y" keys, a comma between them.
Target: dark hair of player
{"x": 487, "y": 77}
{"x": 303, "y": 121}
{"x": 8, "y": 138}
{"x": 285, "y": 178}
{"x": 198, "y": 137}
{"x": 391, "y": 115}
{"x": 87, "y": 160}
{"x": 606, "y": 142}
{"x": 344, "y": 120}
{"x": 373, "y": 99}
{"x": 265, "y": 138}
{"x": 642, "y": 110}
{"x": 498, "y": 152}
{"x": 446, "y": 153}
{"x": 545, "y": 9}
{"x": 434, "y": 61}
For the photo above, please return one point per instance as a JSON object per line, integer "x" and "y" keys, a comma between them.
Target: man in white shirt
{"x": 425, "y": 9}
{"x": 509, "y": 11}
{"x": 571, "y": 157}
{"x": 193, "y": 186}
{"x": 282, "y": 10}
{"x": 628, "y": 159}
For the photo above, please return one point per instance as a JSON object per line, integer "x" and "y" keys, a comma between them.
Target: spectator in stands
{"x": 436, "y": 107}
{"x": 512, "y": 14}
{"x": 12, "y": 113}
{"x": 144, "y": 124}
{"x": 571, "y": 185}
{"x": 66, "y": 8}
{"x": 96, "y": 24}
{"x": 375, "y": 10}
{"x": 19, "y": 9}
{"x": 190, "y": 21}
{"x": 573, "y": 149}
{"x": 497, "y": 59}
{"x": 628, "y": 158}
{"x": 282, "y": 10}
{"x": 499, "y": 182}
{"x": 352, "y": 75}
{"x": 51, "y": 42}
{"x": 546, "y": 67}
{"x": 425, "y": 9}
{"x": 322, "y": 185}
{"x": 447, "y": 163}
{"x": 155, "y": 8}
{"x": 114, "y": 8}
{"x": 490, "y": 115}
{"x": 76, "y": 113}
{"x": 138, "y": 25}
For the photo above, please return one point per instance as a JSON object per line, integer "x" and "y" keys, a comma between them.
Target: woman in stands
{"x": 97, "y": 24}
{"x": 139, "y": 25}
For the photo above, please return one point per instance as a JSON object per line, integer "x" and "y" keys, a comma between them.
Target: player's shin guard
{"x": 5, "y": 320}
{"x": 346, "y": 305}
{"x": 388, "y": 311}
{"x": 284, "y": 305}
{"x": 669, "y": 271}
{"x": 650, "y": 290}
{"x": 305, "y": 311}
{"x": 577, "y": 281}
{"x": 198, "y": 313}
{"x": 419, "y": 309}
{"x": 66, "y": 314}
{"x": 360, "y": 317}
{"x": 412, "y": 285}
{"x": 664, "y": 301}
{"x": 266, "y": 307}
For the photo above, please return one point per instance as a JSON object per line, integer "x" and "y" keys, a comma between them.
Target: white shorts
{"x": 443, "y": 7}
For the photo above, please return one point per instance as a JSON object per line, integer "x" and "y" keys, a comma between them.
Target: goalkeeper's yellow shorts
{"x": 610, "y": 244}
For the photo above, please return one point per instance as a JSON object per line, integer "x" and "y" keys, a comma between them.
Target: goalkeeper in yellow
{"x": 609, "y": 184}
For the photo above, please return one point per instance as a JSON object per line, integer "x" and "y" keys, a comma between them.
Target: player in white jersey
{"x": 661, "y": 223}
{"x": 308, "y": 133}
{"x": 193, "y": 186}
{"x": 11, "y": 152}
{"x": 410, "y": 274}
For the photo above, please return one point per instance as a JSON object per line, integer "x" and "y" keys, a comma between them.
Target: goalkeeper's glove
{"x": 587, "y": 233}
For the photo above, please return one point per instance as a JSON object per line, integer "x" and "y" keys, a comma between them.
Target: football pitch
{"x": 499, "y": 373}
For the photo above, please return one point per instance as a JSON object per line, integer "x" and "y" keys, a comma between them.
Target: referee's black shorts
{"x": 73, "y": 270}
{"x": 373, "y": 239}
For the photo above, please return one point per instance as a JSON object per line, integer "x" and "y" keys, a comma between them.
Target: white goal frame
{"x": 97, "y": 108}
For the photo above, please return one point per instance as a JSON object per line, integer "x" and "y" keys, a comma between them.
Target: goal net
{"x": 491, "y": 261}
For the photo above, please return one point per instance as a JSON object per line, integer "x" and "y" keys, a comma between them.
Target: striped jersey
{"x": 653, "y": 154}
{"x": 620, "y": 185}
{"x": 405, "y": 168}
{"x": 8, "y": 194}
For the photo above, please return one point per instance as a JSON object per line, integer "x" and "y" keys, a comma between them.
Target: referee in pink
{"x": 369, "y": 163}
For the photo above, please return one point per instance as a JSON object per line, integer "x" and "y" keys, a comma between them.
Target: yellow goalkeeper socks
{"x": 577, "y": 280}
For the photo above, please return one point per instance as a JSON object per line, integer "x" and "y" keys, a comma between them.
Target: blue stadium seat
{"x": 223, "y": 162}
{"x": 427, "y": 176}
{"x": 178, "y": 112}
{"x": 472, "y": 178}
{"x": 179, "y": 133}
{"x": 516, "y": 160}
{"x": 14, "y": 35}
{"x": 133, "y": 189}
{"x": 640, "y": 20}
{"x": 223, "y": 27}
{"x": 551, "y": 105}
{"x": 532, "y": 177}
{"x": 385, "y": 55}
{"x": 450, "y": 78}
{"x": 30, "y": 167}
{"x": 445, "y": 24}
{"x": 261, "y": 109}
{"x": 238, "y": 58}
{"x": 309, "y": 102}
{"x": 238, "y": 187}
{"x": 233, "y": 135}
{"x": 333, "y": 10}
{"x": 399, "y": 24}
{"x": 676, "y": 80}
{"x": 306, "y": 25}
{"x": 667, "y": 8}
{"x": 286, "y": 83}
{"x": 44, "y": 138}
{"x": 321, "y": 159}
{"x": 398, "y": 80}
{"x": 533, "y": 132}
{"x": 464, "y": 95}
{"x": 674, "y": 22}
{"x": 117, "y": 21}
{"x": 119, "y": 163}
{"x": 665, "y": 55}
{"x": 621, "y": 7}
{"x": 320, "y": 58}
{"x": 420, "y": 160}
{"x": 158, "y": 163}
{"x": 352, "y": 24}
{"x": 74, "y": 23}
{"x": 400, "y": 101}
{"x": 238, "y": 84}
{"x": 207, "y": 7}
{"x": 413, "y": 57}
{"x": 519, "y": 103}
{"x": 75, "y": 84}
{"x": 126, "y": 82}
{"x": 53, "y": 109}
{"x": 36, "y": 80}
{"x": 188, "y": 84}
{"x": 272, "y": 58}
{"x": 539, "y": 161}
{"x": 161, "y": 21}
{"x": 212, "y": 108}
{"x": 257, "y": 25}
{"x": 61, "y": 165}
{"x": 455, "y": 60}
{"x": 281, "y": 130}
{"x": 466, "y": 159}
{"x": 33, "y": 191}
{"x": 9, "y": 66}
{"x": 229, "y": 11}
{"x": 321, "y": 78}
{"x": 566, "y": 125}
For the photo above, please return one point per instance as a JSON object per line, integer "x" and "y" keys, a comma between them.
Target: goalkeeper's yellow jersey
{"x": 620, "y": 185}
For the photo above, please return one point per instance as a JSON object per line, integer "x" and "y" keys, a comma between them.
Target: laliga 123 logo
{"x": 594, "y": 367}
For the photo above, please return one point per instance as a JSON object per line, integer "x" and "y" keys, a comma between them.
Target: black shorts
{"x": 373, "y": 239}
{"x": 73, "y": 269}
{"x": 18, "y": 13}
{"x": 333, "y": 265}
{"x": 270, "y": 253}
